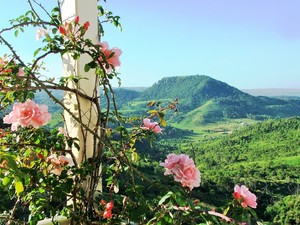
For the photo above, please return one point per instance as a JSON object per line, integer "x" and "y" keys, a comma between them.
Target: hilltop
{"x": 203, "y": 99}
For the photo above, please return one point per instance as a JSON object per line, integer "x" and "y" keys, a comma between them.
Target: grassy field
{"x": 211, "y": 130}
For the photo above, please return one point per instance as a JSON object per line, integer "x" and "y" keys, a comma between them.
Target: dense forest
{"x": 264, "y": 156}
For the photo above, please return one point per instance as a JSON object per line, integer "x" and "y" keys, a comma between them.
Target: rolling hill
{"x": 203, "y": 99}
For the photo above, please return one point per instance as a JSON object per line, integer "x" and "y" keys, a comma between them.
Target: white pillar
{"x": 87, "y": 11}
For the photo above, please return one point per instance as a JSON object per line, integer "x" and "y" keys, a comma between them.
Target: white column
{"x": 87, "y": 11}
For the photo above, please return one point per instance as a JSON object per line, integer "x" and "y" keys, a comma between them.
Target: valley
{"x": 234, "y": 138}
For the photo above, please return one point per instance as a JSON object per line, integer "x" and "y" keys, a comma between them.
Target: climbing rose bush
{"x": 183, "y": 169}
{"x": 101, "y": 177}
{"x": 27, "y": 114}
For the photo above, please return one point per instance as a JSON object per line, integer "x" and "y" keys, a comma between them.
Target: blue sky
{"x": 247, "y": 44}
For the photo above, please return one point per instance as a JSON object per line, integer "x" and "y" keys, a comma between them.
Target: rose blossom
{"x": 111, "y": 57}
{"x": 21, "y": 72}
{"x": 61, "y": 130}
{"x": 58, "y": 163}
{"x": 40, "y": 32}
{"x": 151, "y": 126}
{"x": 183, "y": 169}
{"x": 27, "y": 114}
{"x": 245, "y": 196}
{"x": 3, "y": 65}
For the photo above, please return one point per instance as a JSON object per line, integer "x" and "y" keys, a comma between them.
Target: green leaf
{"x": 120, "y": 128}
{"x": 163, "y": 122}
{"x": 54, "y": 30}
{"x": 152, "y": 111}
{"x": 6, "y": 181}
{"x": 164, "y": 198}
{"x": 87, "y": 68}
{"x": 16, "y": 33}
{"x": 134, "y": 157}
{"x": 36, "y": 52}
{"x": 92, "y": 64}
{"x": 19, "y": 187}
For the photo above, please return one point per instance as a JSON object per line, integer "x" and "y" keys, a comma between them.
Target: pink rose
{"x": 40, "y": 32}
{"x": 111, "y": 57}
{"x": 151, "y": 126}
{"x": 57, "y": 163}
{"x": 62, "y": 131}
{"x": 183, "y": 169}
{"x": 21, "y": 72}
{"x": 170, "y": 162}
{"x": 245, "y": 196}
{"x": 3, "y": 66}
{"x": 27, "y": 114}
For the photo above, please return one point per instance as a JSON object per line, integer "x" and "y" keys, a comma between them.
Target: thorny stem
{"x": 13, "y": 211}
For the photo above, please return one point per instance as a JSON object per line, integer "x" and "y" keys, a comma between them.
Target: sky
{"x": 246, "y": 44}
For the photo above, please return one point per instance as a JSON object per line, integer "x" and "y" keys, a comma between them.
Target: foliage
{"x": 264, "y": 156}
{"x": 286, "y": 210}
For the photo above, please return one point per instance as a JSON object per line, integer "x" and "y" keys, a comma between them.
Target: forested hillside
{"x": 264, "y": 156}
{"x": 203, "y": 99}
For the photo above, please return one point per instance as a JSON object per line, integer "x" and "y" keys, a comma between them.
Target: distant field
{"x": 211, "y": 130}
{"x": 273, "y": 92}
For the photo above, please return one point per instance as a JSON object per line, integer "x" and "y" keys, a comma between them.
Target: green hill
{"x": 203, "y": 99}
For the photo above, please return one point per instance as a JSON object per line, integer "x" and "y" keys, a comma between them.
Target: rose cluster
{"x": 107, "y": 214}
{"x": 8, "y": 66}
{"x": 73, "y": 29}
